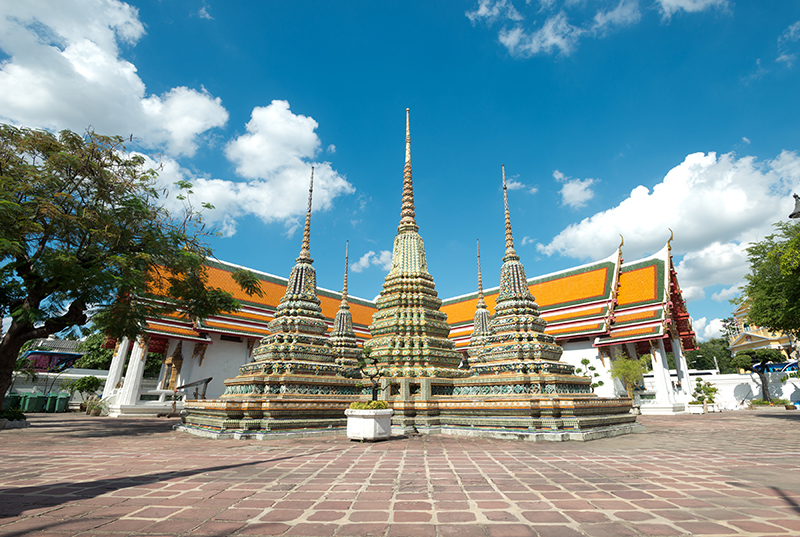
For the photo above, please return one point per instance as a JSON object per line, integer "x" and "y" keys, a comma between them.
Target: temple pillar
{"x": 661, "y": 376}
{"x": 683, "y": 371}
{"x": 133, "y": 376}
{"x": 117, "y": 363}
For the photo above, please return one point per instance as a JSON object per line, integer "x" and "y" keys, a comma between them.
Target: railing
{"x": 196, "y": 384}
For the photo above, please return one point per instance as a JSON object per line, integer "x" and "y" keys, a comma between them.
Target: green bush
{"x": 369, "y": 405}
{"x": 775, "y": 401}
{"x": 87, "y": 385}
{"x": 12, "y": 414}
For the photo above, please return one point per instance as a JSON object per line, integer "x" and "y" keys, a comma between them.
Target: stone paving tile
{"x": 723, "y": 474}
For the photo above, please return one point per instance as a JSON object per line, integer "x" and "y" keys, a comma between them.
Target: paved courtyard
{"x": 735, "y": 473}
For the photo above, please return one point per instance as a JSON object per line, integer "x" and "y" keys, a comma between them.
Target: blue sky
{"x": 611, "y": 117}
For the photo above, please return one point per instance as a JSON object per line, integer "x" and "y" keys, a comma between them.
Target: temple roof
{"x": 577, "y": 302}
{"x": 256, "y": 312}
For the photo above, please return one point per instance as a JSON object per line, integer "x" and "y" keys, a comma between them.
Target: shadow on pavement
{"x": 15, "y": 500}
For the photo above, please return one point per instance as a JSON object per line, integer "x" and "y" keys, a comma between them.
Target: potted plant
{"x": 95, "y": 406}
{"x": 369, "y": 421}
{"x": 703, "y": 398}
{"x": 85, "y": 386}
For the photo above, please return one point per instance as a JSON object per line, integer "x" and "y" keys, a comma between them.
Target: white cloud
{"x": 575, "y": 192}
{"x": 670, "y": 7}
{"x": 745, "y": 139}
{"x": 706, "y": 330}
{"x": 275, "y": 156}
{"x": 533, "y": 190}
{"x": 727, "y": 294}
{"x": 65, "y": 72}
{"x": 331, "y": 149}
{"x": 556, "y": 34}
{"x": 383, "y": 259}
{"x": 527, "y": 240}
{"x": 714, "y": 205}
{"x": 204, "y": 14}
{"x": 490, "y": 10}
{"x": 625, "y": 14}
{"x": 511, "y": 184}
{"x": 785, "y": 40}
{"x": 558, "y": 26}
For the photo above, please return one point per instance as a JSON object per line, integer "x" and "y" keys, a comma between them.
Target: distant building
{"x": 747, "y": 336}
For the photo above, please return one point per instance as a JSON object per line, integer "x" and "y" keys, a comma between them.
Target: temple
{"x": 499, "y": 362}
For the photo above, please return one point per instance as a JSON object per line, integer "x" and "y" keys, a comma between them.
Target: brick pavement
{"x": 735, "y": 473}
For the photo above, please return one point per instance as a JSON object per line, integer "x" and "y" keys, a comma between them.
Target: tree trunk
{"x": 9, "y": 351}
{"x": 764, "y": 383}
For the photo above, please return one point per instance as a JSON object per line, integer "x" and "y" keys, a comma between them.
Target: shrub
{"x": 775, "y": 401}
{"x": 369, "y": 405}
{"x": 12, "y": 414}
{"x": 87, "y": 385}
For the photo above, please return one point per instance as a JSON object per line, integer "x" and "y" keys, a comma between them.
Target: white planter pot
{"x": 695, "y": 409}
{"x": 369, "y": 425}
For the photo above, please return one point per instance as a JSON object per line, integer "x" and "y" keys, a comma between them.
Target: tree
{"x": 772, "y": 287}
{"x": 763, "y": 357}
{"x": 81, "y": 231}
{"x": 703, "y": 356}
{"x": 590, "y": 372}
{"x": 629, "y": 372}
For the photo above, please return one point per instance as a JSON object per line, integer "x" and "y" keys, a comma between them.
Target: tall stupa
{"x": 409, "y": 332}
{"x": 516, "y": 326}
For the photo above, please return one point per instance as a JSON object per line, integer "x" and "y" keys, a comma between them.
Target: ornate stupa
{"x": 343, "y": 338}
{"x": 512, "y": 386}
{"x": 518, "y": 329}
{"x": 298, "y": 329}
{"x": 481, "y": 322}
{"x": 409, "y": 332}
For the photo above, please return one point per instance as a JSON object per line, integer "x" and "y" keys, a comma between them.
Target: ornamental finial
{"x": 481, "y": 302}
{"x": 407, "y": 220}
{"x": 509, "y": 236}
{"x": 346, "y": 260}
{"x": 305, "y": 250}
{"x": 671, "y": 236}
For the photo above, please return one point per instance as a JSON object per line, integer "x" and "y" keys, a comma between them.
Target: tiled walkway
{"x": 736, "y": 473}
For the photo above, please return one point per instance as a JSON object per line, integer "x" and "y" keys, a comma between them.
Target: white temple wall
{"x": 735, "y": 388}
{"x": 222, "y": 360}
{"x": 575, "y": 351}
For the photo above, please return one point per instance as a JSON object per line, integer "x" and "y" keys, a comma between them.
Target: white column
{"x": 133, "y": 376}
{"x": 117, "y": 363}
{"x": 661, "y": 376}
{"x": 683, "y": 370}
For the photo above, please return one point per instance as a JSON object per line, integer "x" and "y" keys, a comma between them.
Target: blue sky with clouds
{"x": 612, "y": 117}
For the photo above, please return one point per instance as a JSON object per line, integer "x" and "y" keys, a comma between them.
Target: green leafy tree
{"x": 703, "y": 356}
{"x": 772, "y": 287}
{"x": 81, "y": 227}
{"x": 94, "y": 355}
{"x": 629, "y": 372}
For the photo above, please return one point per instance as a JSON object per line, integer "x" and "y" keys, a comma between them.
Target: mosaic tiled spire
{"x": 298, "y": 329}
{"x": 519, "y": 330}
{"x": 343, "y": 338}
{"x": 481, "y": 327}
{"x": 409, "y": 332}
